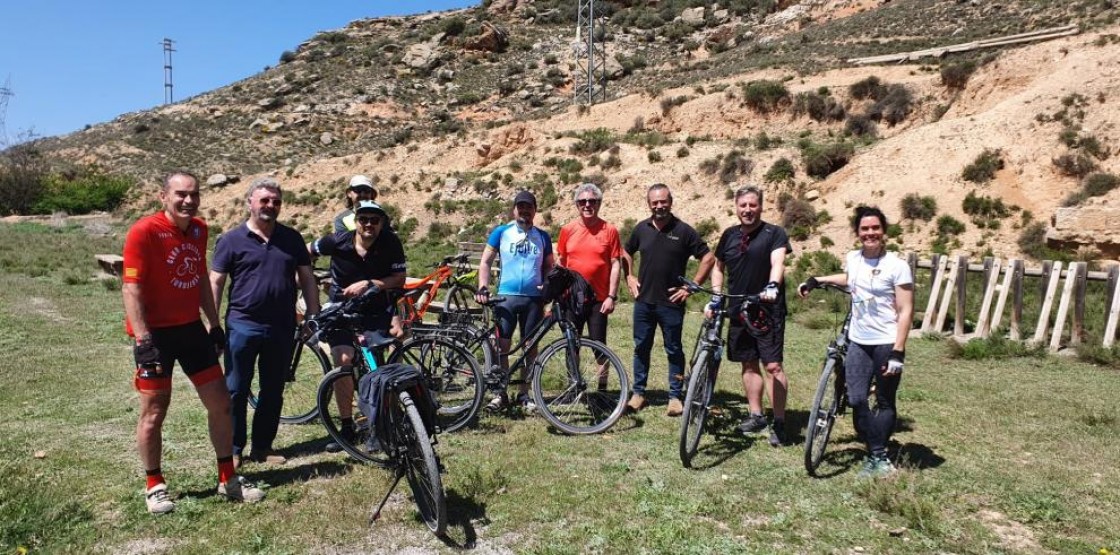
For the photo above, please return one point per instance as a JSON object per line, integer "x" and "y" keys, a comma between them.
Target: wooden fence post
{"x": 959, "y": 313}
{"x": 1113, "y": 316}
{"x": 912, "y": 261}
{"x": 943, "y": 308}
{"x": 937, "y": 271}
{"x": 982, "y": 326}
{"x": 1077, "y": 332}
{"x": 1044, "y": 281}
{"x": 1110, "y": 284}
{"x": 1063, "y": 306}
{"x": 1018, "y": 271}
{"x": 1047, "y": 303}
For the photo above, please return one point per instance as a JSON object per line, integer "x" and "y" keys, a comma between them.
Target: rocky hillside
{"x": 453, "y": 111}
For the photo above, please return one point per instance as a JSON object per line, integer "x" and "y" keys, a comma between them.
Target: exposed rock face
{"x": 511, "y": 139}
{"x": 1093, "y": 226}
{"x": 491, "y": 39}
{"x": 693, "y": 15}
{"x": 421, "y": 56}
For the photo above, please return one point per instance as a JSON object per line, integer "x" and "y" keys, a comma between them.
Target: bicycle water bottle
{"x": 423, "y": 298}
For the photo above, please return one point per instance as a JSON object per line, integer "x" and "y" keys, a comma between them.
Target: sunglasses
{"x": 369, "y": 220}
{"x": 588, "y": 202}
{"x": 272, "y": 201}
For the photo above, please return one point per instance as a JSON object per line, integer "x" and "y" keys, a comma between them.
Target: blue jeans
{"x": 647, "y": 316}
{"x": 270, "y": 349}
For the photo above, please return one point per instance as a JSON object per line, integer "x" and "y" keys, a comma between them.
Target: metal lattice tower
{"x": 5, "y": 94}
{"x": 168, "y": 83}
{"x": 591, "y": 82}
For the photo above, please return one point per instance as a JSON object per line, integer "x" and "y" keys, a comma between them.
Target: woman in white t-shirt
{"x": 882, "y": 289}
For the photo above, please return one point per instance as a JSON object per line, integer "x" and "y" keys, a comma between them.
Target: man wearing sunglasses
{"x": 752, "y": 255}
{"x": 590, "y": 246}
{"x": 262, "y": 259}
{"x": 369, "y": 256}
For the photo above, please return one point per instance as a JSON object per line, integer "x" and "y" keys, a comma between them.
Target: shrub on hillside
{"x": 1032, "y": 240}
{"x": 781, "y": 171}
{"x": 893, "y": 105}
{"x": 22, "y": 172}
{"x": 860, "y": 126}
{"x": 799, "y": 217}
{"x": 287, "y": 56}
{"x": 1075, "y": 165}
{"x": 955, "y": 75}
{"x": 863, "y": 89}
{"x": 915, "y": 207}
{"x": 593, "y": 141}
{"x": 765, "y": 96}
{"x": 983, "y": 169}
{"x": 948, "y": 226}
{"x": 1100, "y": 184}
{"x": 821, "y": 160}
{"x": 735, "y": 165}
{"x": 817, "y": 107}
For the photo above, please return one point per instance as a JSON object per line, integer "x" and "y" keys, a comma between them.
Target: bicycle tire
{"x": 358, "y": 445}
{"x": 460, "y": 307}
{"x": 822, "y": 416}
{"x": 452, "y": 374}
{"x": 577, "y": 404}
{"x": 475, "y": 340}
{"x": 421, "y": 467}
{"x": 701, "y": 381}
{"x": 309, "y": 364}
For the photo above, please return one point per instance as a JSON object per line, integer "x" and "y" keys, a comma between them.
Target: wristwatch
{"x": 613, "y": 297}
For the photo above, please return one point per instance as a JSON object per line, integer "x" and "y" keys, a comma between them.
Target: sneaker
{"x": 499, "y": 402}
{"x": 876, "y": 467}
{"x": 158, "y": 500}
{"x": 347, "y": 434}
{"x": 636, "y": 403}
{"x": 526, "y": 402}
{"x": 777, "y": 433}
{"x": 240, "y": 489}
{"x": 676, "y": 408}
{"x": 753, "y": 424}
{"x": 266, "y": 456}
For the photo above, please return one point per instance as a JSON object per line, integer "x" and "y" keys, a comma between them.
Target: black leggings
{"x": 864, "y": 363}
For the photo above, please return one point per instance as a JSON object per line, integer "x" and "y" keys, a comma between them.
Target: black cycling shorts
{"x": 191, "y": 347}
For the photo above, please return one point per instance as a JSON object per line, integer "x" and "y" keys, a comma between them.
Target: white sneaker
{"x": 158, "y": 500}
{"x": 240, "y": 489}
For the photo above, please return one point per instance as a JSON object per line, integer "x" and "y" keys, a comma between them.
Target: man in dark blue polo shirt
{"x": 262, "y": 259}
{"x": 369, "y": 256}
{"x": 665, "y": 244}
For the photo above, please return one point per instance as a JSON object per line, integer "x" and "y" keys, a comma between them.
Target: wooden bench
{"x": 112, "y": 264}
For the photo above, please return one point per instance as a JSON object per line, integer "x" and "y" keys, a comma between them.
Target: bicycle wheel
{"x": 421, "y": 467}
{"x": 696, "y": 403}
{"x": 453, "y": 377}
{"x": 459, "y": 307}
{"x": 583, "y": 392}
{"x": 309, "y": 364}
{"x": 822, "y": 417}
{"x": 360, "y": 444}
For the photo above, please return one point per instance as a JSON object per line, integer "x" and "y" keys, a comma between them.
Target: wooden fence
{"x": 948, "y": 289}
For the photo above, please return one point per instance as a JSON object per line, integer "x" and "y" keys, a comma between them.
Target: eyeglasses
{"x": 369, "y": 220}
{"x": 588, "y": 202}
{"x": 272, "y": 201}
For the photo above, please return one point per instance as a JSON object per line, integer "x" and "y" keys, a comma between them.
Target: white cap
{"x": 360, "y": 181}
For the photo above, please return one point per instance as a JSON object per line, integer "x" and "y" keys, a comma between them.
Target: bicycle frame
{"x": 414, "y": 292}
{"x": 555, "y": 317}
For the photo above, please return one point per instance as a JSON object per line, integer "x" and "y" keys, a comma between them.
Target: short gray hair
{"x": 748, "y": 190}
{"x": 263, "y": 183}
{"x": 588, "y": 188}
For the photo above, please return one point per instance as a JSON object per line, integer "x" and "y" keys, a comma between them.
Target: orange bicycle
{"x": 459, "y": 306}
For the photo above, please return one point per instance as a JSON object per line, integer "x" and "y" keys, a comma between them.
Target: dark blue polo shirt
{"x": 262, "y": 289}
{"x": 384, "y": 258}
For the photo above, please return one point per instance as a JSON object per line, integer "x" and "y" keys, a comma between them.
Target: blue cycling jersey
{"x": 522, "y": 255}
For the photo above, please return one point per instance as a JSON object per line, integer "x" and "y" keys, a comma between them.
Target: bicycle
{"x": 418, "y": 294}
{"x": 406, "y": 447}
{"x": 704, "y": 371}
{"x": 573, "y": 398}
{"x": 831, "y": 398}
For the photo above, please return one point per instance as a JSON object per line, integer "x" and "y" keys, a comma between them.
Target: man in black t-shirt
{"x": 367, "y": 257}
{"x": 752, "y": 256}
{"x": 665, "y": 244}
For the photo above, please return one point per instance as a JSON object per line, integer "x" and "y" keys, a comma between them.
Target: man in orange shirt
{"x": 590, "y": 246}
{"x": 165, "y": 286}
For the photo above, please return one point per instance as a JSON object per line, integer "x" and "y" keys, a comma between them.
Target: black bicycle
{"x": 703, "y": 372}
{"x": 831, "y": 399}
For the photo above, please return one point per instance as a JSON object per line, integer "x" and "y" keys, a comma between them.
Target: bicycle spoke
{"x": 580, "y": 392}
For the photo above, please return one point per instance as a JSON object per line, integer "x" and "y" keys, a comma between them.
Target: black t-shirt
{"x": 664, "y": 255}
{"x": 384, "y": 258}
{"x": 748, "y": 272}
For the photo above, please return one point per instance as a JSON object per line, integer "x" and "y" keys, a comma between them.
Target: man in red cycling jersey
{"x": 165, "y": 286}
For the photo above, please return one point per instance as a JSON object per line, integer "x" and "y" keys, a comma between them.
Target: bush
{"x": 955, "y": 75}
{"x": 817, "y": 107}
{"x": 1100, "y": 184}
{"x": 1032, "y": 240}
{"x": 860, "y": 126}
{"x": 287, "y": 56}
{"x": 983, "y": 169}
{"x": 765, "y": 96}
{"x": 821, "y": 160}
{"x": 22, "y": 172}
{"x": 762, "y": 141}
{"x": 706, "y": 227}
{"x": 984, "y": 206}
{"x": 893, "y": 106}
{"x": 916, "y": 207}
{"x": 781, "y": 171}
{"x": 594, "y": 141}
{"x": 870, "y": 87}
{"x": 734, "y": 165}
{"x": 948, "y": 225}
{"x": 1075, "y": 165}
{"x": 82, "y": 194}
{"x": 799, "y": 213}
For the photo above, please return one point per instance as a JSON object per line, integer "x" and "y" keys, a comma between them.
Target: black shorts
{"x": 191, "y": 347}
{"x": 595, "y": 321}
{"x": 370, "y": 323}
{"x": 744, "y": 347}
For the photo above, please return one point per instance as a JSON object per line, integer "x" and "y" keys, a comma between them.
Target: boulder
{"x": 326, "y": 138}
{"x": 491, "y": 39}
{"x": 217, "y": 180}
{"x": 1093, "y": 226}
{"x": 269, "y": 103}
{"x": 421, "y": 56}
{"x": 693, "y": 16}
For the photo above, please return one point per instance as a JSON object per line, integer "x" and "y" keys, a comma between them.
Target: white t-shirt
{"x": 872, "y": 282}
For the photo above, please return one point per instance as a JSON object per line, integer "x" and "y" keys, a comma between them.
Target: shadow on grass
{"x": 918, "y": 456}
{"x": 834, "y": 463}
{"x": 462, "y": 513}
{"x": 281, "y": 474}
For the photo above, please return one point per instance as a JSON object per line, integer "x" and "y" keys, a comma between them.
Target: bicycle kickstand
{"x": 376, "y": 514}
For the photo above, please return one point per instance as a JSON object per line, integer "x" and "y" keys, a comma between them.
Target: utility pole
{"x": 591, "y": 83}
{"x": 5, "y": 94}
{"x": 168, "y": 83}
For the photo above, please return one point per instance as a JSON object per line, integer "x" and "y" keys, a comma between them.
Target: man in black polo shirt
{"x": 262, "y": 258}
{"x": 369, "y": 256}
{"x": 665, "y": 244}
{"x": 752, "y": 256}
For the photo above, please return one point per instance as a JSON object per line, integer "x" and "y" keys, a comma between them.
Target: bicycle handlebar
{"x": 694, "y": 287}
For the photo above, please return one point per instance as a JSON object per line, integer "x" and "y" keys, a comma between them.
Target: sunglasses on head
{"x": 587, "y": 202}
{"x": 369, "y": 220}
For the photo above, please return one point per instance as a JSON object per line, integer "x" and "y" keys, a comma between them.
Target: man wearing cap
{"x": 365, "y": 258}
{"x": 590, "y": 246}
{"x": 262, "y": 259}
{"x": 665, "y": 244}
{"x": 525, "y": 253}
{"x": 360, "y": 188}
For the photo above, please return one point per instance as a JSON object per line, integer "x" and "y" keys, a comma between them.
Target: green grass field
{"x": 1013, "y": 455}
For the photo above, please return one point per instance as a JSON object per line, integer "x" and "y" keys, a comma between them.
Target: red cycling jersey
{"x": 170, "y": 266}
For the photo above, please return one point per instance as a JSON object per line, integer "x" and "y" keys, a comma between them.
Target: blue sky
{"x": 78, "y": 62}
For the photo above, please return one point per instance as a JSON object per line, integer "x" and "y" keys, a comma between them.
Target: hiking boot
{"x": 753, "y": 424}
{"x": 778, "y": 433}
{"x": 636, "y": 403}
{"x": 158, "y": 500}
{"x": 241, "y": 490}
{"x": 675, "y": 407}
{"x": 347, "y": 434}
{"x": 266, "y": 456}
{"x": 499, "y": 402}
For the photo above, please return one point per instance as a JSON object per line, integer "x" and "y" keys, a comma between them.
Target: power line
{"x": 168, "y": 83}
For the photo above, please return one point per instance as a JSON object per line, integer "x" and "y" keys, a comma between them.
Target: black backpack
{"x": 376, "y": 388}
{"x": 569, "y": 289}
